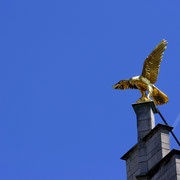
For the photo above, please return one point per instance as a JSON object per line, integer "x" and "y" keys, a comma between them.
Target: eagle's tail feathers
{"x": 159, "y": 97}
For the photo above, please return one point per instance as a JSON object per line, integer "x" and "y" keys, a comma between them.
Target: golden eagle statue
{"x": 145, "y": 82}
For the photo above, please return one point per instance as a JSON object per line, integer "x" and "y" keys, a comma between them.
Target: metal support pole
{"x": 168, "y": 125}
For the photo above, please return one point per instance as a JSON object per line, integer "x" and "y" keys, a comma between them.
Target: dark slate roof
{"x": 155, "y": 168}
{"x": 155, "y": 129}
{"x": 149, "y": 135}
{"x": 126, "y": 156}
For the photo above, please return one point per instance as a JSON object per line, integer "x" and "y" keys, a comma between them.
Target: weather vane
{"x": 145, "y": 82}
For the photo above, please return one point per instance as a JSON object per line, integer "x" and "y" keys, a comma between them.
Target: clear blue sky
{"x": 60, "y": 119}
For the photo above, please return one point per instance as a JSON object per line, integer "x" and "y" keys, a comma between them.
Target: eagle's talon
{"x": 143, "y": 99}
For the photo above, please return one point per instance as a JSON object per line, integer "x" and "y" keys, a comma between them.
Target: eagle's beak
{"x": 115, "y": 86}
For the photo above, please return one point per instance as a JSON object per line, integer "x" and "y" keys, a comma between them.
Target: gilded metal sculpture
{"x": 145, "y": 82}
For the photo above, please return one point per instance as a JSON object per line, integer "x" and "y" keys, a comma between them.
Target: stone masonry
{"x": 151, "y": 158}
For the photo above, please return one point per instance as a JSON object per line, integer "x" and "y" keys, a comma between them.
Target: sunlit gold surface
{"x": 145, "y": 82}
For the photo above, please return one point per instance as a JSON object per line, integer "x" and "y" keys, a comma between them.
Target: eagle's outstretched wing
{"x": 152, "y": 62}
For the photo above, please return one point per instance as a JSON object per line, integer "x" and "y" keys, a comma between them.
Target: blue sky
{"x": 59, "y": 116}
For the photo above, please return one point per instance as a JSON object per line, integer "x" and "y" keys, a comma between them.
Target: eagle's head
{"x": 123, "y": 84}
